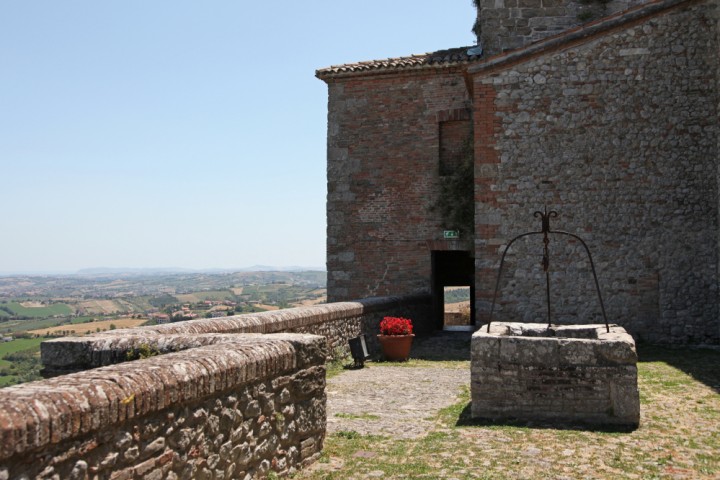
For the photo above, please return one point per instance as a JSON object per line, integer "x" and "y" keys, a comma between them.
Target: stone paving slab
{"x": 398, "y": 400}
{"x": 392, "y": 401}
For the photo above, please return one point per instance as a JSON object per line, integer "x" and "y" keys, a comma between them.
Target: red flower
{"x": 396, "y": 326}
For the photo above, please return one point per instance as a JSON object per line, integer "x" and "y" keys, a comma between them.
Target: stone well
{"x": 565, "y": 374}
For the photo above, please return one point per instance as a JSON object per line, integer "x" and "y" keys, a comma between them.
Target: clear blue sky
{"x": 181, "y": 133}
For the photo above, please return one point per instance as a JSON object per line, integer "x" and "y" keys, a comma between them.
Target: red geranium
{"x": 396, "y": 326}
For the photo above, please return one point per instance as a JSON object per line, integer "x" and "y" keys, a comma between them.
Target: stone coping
{"x": 557, "y": 345}
{"x": 276, "y": 320}
{"x": 37, "y": 414}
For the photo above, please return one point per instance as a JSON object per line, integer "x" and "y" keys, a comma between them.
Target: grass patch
{"x": 363, "y": 416}
{"x": 419, "y": 362}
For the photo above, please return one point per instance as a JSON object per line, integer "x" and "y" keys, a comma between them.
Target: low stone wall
{"x": 337, "y": 322}
{"x": 215, "y": 398}
{"x": 236, "y": 409}
{"x": 568, "y": 374}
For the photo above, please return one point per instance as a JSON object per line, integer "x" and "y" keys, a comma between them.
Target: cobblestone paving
{"x": 400, "y": 400}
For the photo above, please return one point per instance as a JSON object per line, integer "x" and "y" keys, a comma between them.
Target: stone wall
{"x": 618, "y": 132}
{"x": 571, "y": 374}
{"x": 337, "y": 322}
{"x": 214, "y": 398}
{"x": 383, "y": 178}
{"x": 510, "y": 24}
{"x": 232, "y": 410}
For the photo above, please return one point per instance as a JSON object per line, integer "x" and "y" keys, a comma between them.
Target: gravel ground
{"x": 401, "y": 399}
{"x": 400, "y": 402}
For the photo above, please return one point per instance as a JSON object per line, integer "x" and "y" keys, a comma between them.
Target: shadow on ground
{"x": 703, "y": 364}
{"x": 448, "y": 346}
{"x": 465, "y": 420}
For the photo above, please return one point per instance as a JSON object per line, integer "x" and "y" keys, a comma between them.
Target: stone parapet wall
{"x": 616, "y": 128}
{"x": 214, "y": 398}
{"x": 230, "y": 410}
{"x": 337, "y": 322}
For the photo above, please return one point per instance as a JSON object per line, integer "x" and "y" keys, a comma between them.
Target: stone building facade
{"x": 612, "y": 123}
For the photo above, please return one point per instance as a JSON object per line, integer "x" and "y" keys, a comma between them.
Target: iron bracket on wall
{"x": 545, "y": 217}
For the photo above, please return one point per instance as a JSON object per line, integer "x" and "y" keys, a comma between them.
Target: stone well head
{"x": 569, "y": 374}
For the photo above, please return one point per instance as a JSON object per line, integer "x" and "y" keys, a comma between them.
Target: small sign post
{"x": 451, "y": 234}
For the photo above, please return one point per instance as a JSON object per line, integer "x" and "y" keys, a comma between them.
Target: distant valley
{"x": 36, "y": 307}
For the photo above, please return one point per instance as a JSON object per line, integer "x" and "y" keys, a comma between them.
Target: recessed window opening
{"x": 454, "y": 136}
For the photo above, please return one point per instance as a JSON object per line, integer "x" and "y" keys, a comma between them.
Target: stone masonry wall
{"x": 217, "y": 398}
{"x": 337, "y": 322}
{"x": 618, "y": 132}
{"x": 383, "y": 177}
{"x": 571, "y": 374}
{"x": 510, "y": 24}
{"x": 219, "y": 411}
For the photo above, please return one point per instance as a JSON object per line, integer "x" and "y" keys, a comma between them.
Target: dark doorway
{"x": 452, "y": 269}
{"x": 457, "y": 307}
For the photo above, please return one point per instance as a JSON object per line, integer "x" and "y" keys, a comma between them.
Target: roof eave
{"x": 326, "y": 75}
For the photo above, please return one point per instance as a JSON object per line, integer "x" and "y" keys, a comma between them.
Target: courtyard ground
{"x": 412, "y": 420}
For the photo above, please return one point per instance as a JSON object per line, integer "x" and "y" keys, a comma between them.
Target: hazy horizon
{"x": 181, "y": 134}
{"x": 164, "y": 270}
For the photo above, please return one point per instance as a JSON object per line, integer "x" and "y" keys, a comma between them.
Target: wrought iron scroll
{"x": 545, "y": 217}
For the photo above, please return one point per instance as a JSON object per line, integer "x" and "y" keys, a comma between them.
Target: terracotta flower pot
{"x": 396, "y": 348}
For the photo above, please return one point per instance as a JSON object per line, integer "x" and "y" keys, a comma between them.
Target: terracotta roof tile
{"x": 452, "y": 56}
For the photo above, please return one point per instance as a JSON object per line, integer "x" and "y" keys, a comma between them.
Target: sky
{"x": 177, "y": 133}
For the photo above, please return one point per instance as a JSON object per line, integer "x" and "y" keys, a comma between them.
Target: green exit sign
{"x": 451, "y": 234}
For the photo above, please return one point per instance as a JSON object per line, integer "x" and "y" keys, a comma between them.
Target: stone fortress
{"x": 605, "y": 112}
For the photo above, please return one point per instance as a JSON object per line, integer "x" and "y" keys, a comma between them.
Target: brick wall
{"x": 383, "y": 176}
{"x": 618, "y": 132}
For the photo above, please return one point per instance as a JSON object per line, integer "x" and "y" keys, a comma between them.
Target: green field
{"x": 23, "y": 370}
{"x": 18, "y": 344}
{"x": 11, "y": 326}
{"x": 74, "y": 321}
{"x": 5, "y": 381}
{"x": 140, "y": 304}
{"x": 214, "y": 295}
{"x": 39, "y": 312}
